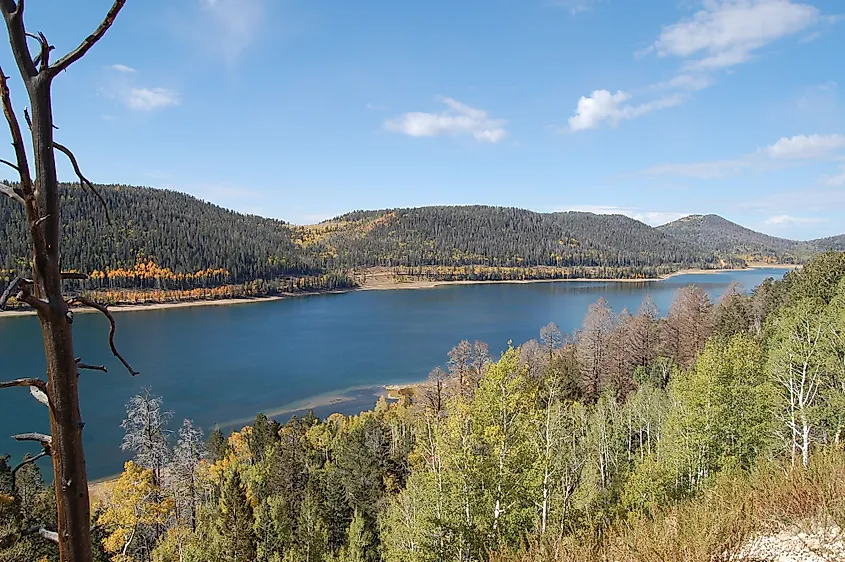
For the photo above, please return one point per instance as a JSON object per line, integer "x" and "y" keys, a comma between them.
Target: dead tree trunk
{"x": 40, "y": 197}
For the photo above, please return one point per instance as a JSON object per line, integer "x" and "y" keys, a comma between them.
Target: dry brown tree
{"x": 38, "y": 193}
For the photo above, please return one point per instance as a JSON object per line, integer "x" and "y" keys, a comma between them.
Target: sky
{"x": 305, "y": 109}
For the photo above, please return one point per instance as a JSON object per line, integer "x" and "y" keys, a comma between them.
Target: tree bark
{"x": 40, "y": 197}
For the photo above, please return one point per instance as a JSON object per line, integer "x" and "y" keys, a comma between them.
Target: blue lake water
{"x": 221, "y": 365}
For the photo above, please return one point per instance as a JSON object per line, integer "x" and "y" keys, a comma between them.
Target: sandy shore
{"x": 382, "y": 282}
{"x": 154, "y": 306}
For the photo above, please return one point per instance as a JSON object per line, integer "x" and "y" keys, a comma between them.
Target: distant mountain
{"x": 727, "y": 239}
{"x": 499, "y": 236}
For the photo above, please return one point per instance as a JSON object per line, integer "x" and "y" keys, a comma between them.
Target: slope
{"x": 175, "y": 230}
{"x": 497, "y": 236}
{"x": 728, "y": 239}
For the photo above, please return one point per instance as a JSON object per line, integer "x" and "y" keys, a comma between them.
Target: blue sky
{"x": 304, "y": 109}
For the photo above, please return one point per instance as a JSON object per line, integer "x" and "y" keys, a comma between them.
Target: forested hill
{"x": 498, "y": 236}
{"x": 169, "y": 240}
{"x": 175, "y": 230}
{"x": 726, "y": 238}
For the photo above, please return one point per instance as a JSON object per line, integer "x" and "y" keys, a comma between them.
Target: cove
{"x": 221, "y": 365}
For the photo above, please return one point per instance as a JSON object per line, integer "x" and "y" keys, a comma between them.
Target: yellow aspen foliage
{"x": 133, "y": 501}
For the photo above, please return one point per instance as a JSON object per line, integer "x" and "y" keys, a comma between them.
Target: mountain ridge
{"x": 184, "y": 236}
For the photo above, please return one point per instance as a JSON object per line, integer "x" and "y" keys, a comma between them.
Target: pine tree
{"x": 235, "y": 523}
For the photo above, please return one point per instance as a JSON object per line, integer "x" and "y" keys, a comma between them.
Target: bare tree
{"x": 551, "y": 337}
{"x": 688, "y": 324}
{"x": 436, "y": 389}
{"x": 645, "y": 333}
{"x": 534, "y": 357}
{"x": 146, "y": 433}
{"x": 621, "y": 362}
{"x": 594, "y": 347}
{"x": 187, "y": 454}
{"x": 38, "y": 193}
{"x": 467, "y": 363}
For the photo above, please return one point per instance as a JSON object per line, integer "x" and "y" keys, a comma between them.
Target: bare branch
{"x": 40, "y": 455}
{"x": 42, "y": 531}
{"x": 10, "y": 192}
{"x": 9, "y": 164}
{"x": 37, "y": 383}
{"x": 73, "y": 275}
{"x": 15, "y": 130}
{"x": 44, "y": 56}
{"x": 112, "y": 326}
{"x": 86, "y": 366}
{"x": 89, "y": 41}
{"x": 45, "y": 440}
{"x": 13, "y": 14}
{"x": 39, "y": 395}
{"x": 20, "y": 287}
{"x": 12, "y": 289}
{"x": 83, "y": 181}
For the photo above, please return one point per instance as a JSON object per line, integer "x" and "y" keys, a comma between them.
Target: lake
{"x": 221, "y": 365}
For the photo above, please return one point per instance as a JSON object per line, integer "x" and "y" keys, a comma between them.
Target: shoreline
{"x": 393, "y": 285}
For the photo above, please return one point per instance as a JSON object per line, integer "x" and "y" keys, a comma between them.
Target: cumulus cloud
{"x": 149, "y": 99}
{"x": 653, "y": 218}
{"x": 789, "y": 220}
{"x": 602, "y": 106}
{"x": 457, "y": 119}
{"x": 805, "y": 146}
{"x": 728, "y": 32}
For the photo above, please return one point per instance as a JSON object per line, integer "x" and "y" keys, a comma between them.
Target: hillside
{"x": 836, "y": 243}
{"x": 728, "y": 239}
{"x": 175, "y": 230}
{"x": 169, "y": 240}
{"x": 497, "y": 236}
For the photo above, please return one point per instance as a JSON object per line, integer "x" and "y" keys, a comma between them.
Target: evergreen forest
{"x": 157, "y": 245}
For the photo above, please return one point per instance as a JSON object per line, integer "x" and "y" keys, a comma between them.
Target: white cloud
{"x": 457, "y": 119}
{"x": 653, "y": 218}
{"x": 728, "y": 32}
{"x": 602, "y": 106}
{"x": 789, "y": 219}
{"x": 723, "y": 34}
{"x": 787, "y": 151}
{"x": 805, "y": 146}
{"x": 122, "y": 68}
{"x": 149, "y": 99}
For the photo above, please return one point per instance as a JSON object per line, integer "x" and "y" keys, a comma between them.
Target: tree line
{"x": 556, "y": 442}
{"x": 154, "y": 239}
